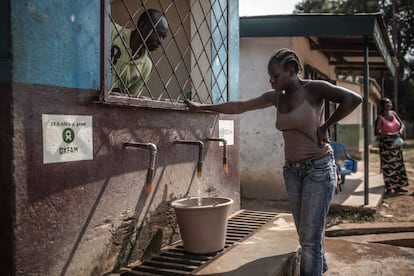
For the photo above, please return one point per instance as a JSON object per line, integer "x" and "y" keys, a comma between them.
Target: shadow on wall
{"x": 130, "y": 239}
{"x": 61, "y": 186}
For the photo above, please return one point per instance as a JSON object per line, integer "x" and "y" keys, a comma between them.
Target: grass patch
{"x": 373, "y": 157}
{"x": 349, "y": 217}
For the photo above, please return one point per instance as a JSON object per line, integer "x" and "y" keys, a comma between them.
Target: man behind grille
{"x": 131, "y": 64}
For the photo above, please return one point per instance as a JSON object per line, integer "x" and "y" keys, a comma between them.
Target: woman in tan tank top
{"x": 310, "y": 170}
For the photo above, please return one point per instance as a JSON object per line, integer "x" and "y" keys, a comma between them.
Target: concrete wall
{"x": 88, "y": 217}
{"x": 261, "y": 144}
{"x": 311, "y": 57}
{"x": 50, "y": 40}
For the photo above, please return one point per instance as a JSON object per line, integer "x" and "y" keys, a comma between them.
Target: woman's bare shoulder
{"x": 318, "y": 84}
{"x": 313, "y": 88}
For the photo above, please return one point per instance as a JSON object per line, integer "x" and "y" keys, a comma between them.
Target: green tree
{"x": 398, "y": 14}
{"x": 338, "y": 6}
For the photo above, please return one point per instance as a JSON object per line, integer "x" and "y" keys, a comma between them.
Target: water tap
{"x": 151, "y": 168}
{"x": 200, "y": 145}
{"x": 224, "y": 141}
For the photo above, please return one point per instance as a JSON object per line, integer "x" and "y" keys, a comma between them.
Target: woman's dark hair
{"x": 286, "y": 58}
{"x": 383, "y": 102}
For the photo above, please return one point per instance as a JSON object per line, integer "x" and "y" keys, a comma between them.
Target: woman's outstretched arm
{"x": 265, "y": 100}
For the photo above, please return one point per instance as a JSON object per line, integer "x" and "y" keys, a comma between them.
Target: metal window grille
{"x": 192, "y": 61}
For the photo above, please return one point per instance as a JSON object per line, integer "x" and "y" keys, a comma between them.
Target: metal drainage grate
{"x": 175, "y": 261}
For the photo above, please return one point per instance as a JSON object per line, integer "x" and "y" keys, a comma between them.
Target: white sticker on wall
{"x": 67, "y": 138}
{"x": 226, "y": 131}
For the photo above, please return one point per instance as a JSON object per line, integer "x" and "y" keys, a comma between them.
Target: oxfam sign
{"x": 67, "y": 138}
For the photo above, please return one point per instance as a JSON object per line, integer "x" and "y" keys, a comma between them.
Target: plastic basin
{"x": 202, "y": 227}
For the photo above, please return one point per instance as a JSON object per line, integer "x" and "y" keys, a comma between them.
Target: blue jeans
{"x": 310, "y": 186}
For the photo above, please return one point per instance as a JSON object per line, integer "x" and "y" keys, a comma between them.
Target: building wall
{"x": 50, "y": 40}
{"x": 89, "y": 217}
{"x": 312, "y": 57}
{"x": 261, "y": 144}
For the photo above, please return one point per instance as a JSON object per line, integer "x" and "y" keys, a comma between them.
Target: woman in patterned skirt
{"x": 388, "y": 129}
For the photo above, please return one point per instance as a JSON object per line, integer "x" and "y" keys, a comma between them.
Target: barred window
{"x": 160, "y": 52}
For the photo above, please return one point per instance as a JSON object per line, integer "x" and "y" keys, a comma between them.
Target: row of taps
{"x": 153, "y": 149}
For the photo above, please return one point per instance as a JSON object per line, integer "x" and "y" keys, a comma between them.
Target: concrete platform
{"x": 270, "y": 251}
{"x": 361, "y": 259}
{"x": 273, "y": 250}
{"x": 352, "y": 196}
{"x": 391, "y": 233}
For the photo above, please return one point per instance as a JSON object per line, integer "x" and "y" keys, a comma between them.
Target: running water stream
{"x": 199, "y": 184}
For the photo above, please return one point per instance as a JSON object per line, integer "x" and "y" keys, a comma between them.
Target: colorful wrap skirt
{"x": 392, "y": 164}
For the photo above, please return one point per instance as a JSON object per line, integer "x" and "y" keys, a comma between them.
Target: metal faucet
{"x": 151, "y": 169}
{"x": 224, "y": 141}
{"x": 200, "y": 145}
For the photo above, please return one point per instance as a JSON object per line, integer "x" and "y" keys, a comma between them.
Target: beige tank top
{"x": 299, "y": 128}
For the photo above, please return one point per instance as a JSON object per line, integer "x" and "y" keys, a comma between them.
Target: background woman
{"x": 388, "y": 127}
{"x": 309, "y": 170}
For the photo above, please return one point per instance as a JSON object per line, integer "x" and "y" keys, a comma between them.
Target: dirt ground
{"x": 394, "y": 208}
{"x": 399, "y": 207}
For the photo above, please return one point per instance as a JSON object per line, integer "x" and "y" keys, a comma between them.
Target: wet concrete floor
{"x": 356, "y": 250}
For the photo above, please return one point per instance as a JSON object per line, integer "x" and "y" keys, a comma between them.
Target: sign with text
{"x": 67, "y": 138}
{"x": 226, "y": 131}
